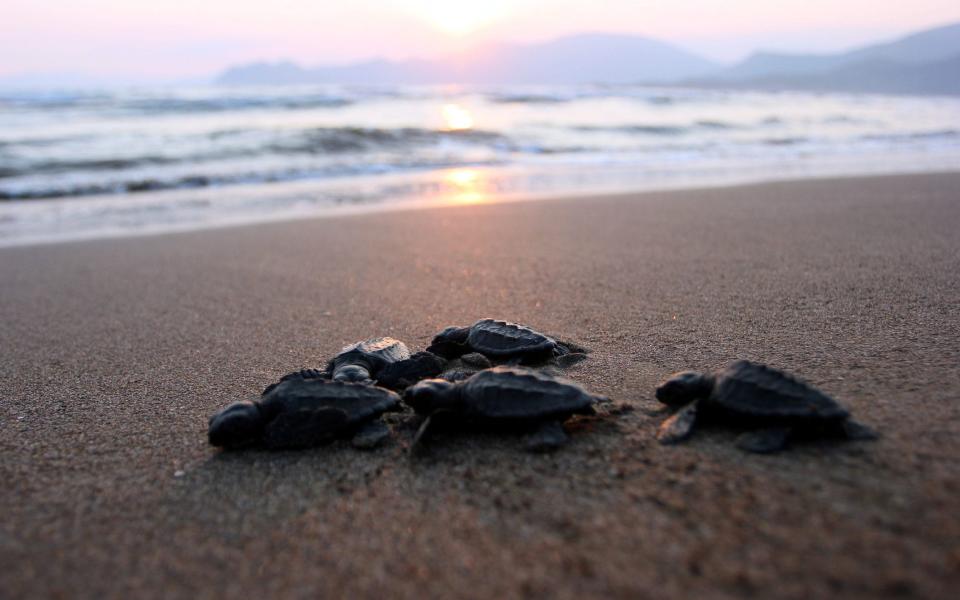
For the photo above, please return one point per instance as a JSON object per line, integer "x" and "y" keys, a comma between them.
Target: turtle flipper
{"x": 419, "y": 447}
{"x": 764, "y": 441}
{"x": 855, "y": 430}
{"x": 661, "y": 410}
{"x": 568, "y": 347}
{"x": 679, "y": 426}
{"x": 430, "y": 425}
{"x": 548, "y": 437}
{"x": 565, "y": 361}
{"x": 304, "y": 428}
{"x": 371, "y": 435}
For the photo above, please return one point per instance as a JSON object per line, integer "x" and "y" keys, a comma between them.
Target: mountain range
{"x": 584, "y": 58}
{"x": 926, "y": 62}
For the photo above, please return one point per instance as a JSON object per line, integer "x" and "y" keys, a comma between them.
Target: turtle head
{"x": 684, "y": 387}
{"x": 431, "y": 395}
{"x": 450, "y": 343}
{"x": 355, "y": 373}
{"x": 452, "y": 335}
{"x": 239, "y": 424}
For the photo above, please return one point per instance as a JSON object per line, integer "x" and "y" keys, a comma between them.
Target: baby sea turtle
{"x": 772, "y": 404}
{"x": 503, "y": 397}
{"x": 301, "y": 411}
{"x": 402, "y": 374}
{"x": 499, "y": 340}
{"x": 362, "y": 361}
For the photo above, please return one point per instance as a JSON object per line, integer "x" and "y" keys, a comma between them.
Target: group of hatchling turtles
{"x": 504, "y": 376}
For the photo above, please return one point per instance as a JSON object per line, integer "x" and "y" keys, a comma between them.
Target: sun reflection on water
{"x": 465, "y": 185}
{"x": 456, "y": 118}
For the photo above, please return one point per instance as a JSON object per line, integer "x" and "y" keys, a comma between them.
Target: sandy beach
{"x": 113, "y": 354}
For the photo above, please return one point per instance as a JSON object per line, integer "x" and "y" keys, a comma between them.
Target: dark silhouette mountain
{"x": 575, "y": 59}
{"x": 927, "y": 62}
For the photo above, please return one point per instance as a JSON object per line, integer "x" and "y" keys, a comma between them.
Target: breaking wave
{"x": 80, "y": 143}
{"x": 166, "y": 104}
{"x": 139, "y": 185}
{"x": 659, "y": 129}
{"x": 941, "y": 134}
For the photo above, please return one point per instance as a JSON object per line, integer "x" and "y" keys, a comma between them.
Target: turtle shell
{"x": 520, "y": 394}
{"x": 302, "y": 374}
{"x": 374, "y": 354}
{"x": 758, "y": 391}
{"x": 303, "y": 412}
{"x": 502, "y": 339}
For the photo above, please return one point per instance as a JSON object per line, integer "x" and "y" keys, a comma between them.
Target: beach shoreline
{"x": 115, "y": 351}
{"x": 117, "y": 216}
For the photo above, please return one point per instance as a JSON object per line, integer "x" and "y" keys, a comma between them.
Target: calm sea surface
{"x": 94, "y": 164}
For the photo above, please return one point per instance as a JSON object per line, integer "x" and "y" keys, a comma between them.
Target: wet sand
{"x": 113, "y": 353}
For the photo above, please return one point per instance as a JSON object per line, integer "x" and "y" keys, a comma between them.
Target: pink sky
{"x": 190, "y": 38}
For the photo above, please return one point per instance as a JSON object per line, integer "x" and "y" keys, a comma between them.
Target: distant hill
{"x": 587, "y": 58}
{"x": 871, "y": 76}
{"x": 922, "y": 63}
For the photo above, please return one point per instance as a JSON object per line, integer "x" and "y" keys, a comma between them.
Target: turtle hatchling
{"x": 304, "y": 410}
{"x": 773, "y": 406}
{"x": 361, "y": 362}
{"x": 502, "y": 397}
{"x": 500, "y": 341}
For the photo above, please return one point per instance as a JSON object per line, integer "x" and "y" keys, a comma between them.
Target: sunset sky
{"x": 193, "y": 38}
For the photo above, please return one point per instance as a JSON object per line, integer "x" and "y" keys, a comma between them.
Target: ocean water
{"x": 77, "y": 165}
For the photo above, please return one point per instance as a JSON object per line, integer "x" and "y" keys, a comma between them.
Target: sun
{"x": 462, "y": 17}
